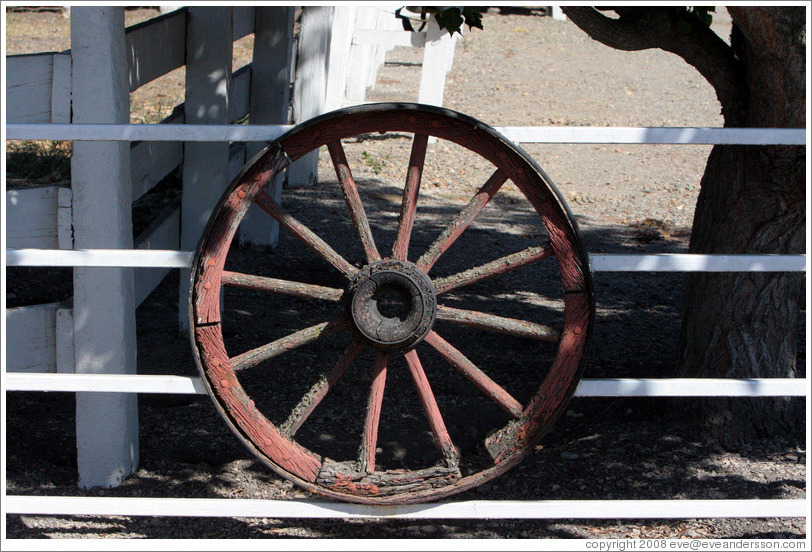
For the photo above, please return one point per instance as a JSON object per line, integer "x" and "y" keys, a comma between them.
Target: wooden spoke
{"x": 369, "y": 443}
{"x": 438, "y": 430}
{"x": 479, "y": 378}
{"x": 304, "y": 234}
{"x": 353, "y": 200}
{"x": 408, "y": 207}
{"x": 311, "y": 400}
{"x": 498, "y": 324}
{"x": 498, "y": 267}
{"x": 457, "y": 226}
{"x": 284, "y": 287}
{"x": 287, "y": 343}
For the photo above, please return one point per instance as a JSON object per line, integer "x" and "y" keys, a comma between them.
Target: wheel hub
{"x": 392, "y": 304}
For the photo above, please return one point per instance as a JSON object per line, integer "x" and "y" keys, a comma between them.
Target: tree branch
{"x": 672, "y": 30}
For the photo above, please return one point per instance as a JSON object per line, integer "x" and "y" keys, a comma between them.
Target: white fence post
{"x": 209, "y": 49}
{"x": 360, "y": 58}
{"x": 268, "y": 104}
{"x": 341, "y": 46}
{"x": 385, "y": 20}
{"x": 310, "y": 88}
{"x": 104, "y": 305}
{"x": 438, "y": 56}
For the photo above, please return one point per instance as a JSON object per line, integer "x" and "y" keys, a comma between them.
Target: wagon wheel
{"x": 391, "y": 307}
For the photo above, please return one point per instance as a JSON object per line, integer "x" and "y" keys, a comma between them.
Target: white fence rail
{"x": 605, "y": 262}
{"x": 473, "y": 509}
{"x": 526, "y": 135}
{"x": 605, "y": 387}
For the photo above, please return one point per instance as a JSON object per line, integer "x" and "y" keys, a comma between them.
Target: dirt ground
{"x": 523, "y": 69}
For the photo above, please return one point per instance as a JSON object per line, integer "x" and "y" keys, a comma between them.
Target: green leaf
{"x": 450, "y": 19}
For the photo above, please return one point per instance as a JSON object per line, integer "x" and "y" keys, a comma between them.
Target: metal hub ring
{"x": 392, "y": 305}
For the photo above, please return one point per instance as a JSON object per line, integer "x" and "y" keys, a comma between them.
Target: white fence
{"x": 47, "y": 242}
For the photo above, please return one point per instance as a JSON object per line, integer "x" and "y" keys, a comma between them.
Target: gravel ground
{"x": 524, "y": 69}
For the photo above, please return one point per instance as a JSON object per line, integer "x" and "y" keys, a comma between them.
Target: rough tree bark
{"x": 752, "y": 200}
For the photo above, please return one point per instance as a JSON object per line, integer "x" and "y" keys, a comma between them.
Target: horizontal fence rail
{"x": 548, "y": 135}
{"x": 694, "y": 262}
{"x": 619, "y": 387}
{"x": 477, "y": 509}
{"x": 145, "y": 133}
{"x": 121, "y": 258}
{"x": 600, "y": 262}
{"x": 655, "y": 135}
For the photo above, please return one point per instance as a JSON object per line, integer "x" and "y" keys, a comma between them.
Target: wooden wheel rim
{"x": 283, "y": 454}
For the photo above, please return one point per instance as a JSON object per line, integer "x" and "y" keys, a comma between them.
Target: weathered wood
{"x": 240, "y": 410}
{"x": 411, "y": 191}
{"x": 209, "y": 45}
{"x": 353, "y": 201}
{"x": 163, "y": 233}
{"x": 64, "y": 218}
{"x": 284, "y": 287}
{"x": 287, "y": 343}
{"x": 368, "y": 119}
{"x": 502, "y": 265}
{"x": 155, "y": 47}
{"x": 345, "y": 478}
{"x": 29, "y": 88}
{"x": 271, "y": 68}
{"x": 60, "y": 89}
{"x": 557, "y": 387}
{"x": 438, "y": 429}
{"x": 310, "y": 91}
{"x": 65, "y": 348}
{"x": 358, "y": 479}
{"x": 369, "y": 441}
{"x": 210, "y": 264}
{"x": 479, "y": 378}
{"x": 498, "y": 324}
{"x": 240, "y": 99}
{"x": 151, "y": 161}
{"x": 32, "y": 218}
{"x": 104, "y": 302}
{"x": 305, "y": 235}
{"x": 244, "y": 18}
{"x": 457, "y": 226}
{"x": 308, "y": 403}
{"x": 30, "y": 344}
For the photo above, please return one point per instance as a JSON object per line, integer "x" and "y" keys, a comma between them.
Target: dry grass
{"x": 37, "y": 162}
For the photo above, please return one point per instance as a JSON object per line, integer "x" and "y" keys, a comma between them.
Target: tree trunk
{"x": 752, "y": 200}
{"x": 745, "y": 325}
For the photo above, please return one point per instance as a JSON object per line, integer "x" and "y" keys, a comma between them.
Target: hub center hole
{"x": 392, "y": 303}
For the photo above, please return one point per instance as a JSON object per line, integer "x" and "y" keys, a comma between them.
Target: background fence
{"x": 56, "y": 347}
